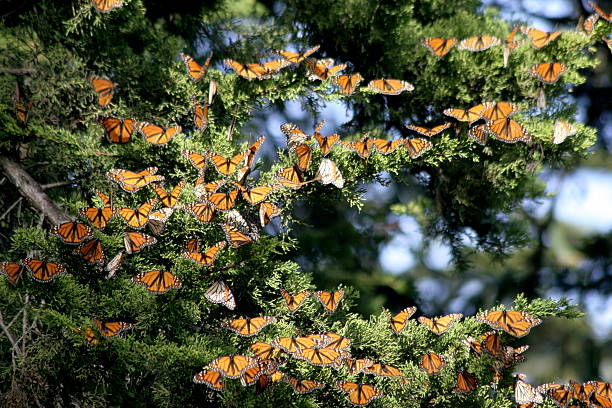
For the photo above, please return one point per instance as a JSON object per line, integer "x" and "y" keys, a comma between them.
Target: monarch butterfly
{"x": 508, "y": 130}
{"x": 265, "y": 380}
{"x": 117, "y": 130}
{"x": 137, "y": 241}
{"x": 383, "y": 370}
{"x": 235, "y": 219}
{"x": 197, "y": 160}
{"x": 295, "y": 136}
{"x": 510, "y": 45}
{"x": 232, "y": 366}
{"x": 390, "y": 86}
{"x": 602, "y": 14}
{"x": 200, "y": 114}
{"x": 137, "y": 218}
{"x": 400, "y": 320}
{"x": 206, "y": 258}
{"x": 220, "y": 293}
{"x": 470, "y": 115}
{"x": 235, "y": 237}
{"x": 329, "y": 300}
{"x": 112, "y": 329}
{"x": 347, "y": 83}
{"x": 358, "y": 394}
{"x": 211, "y": 378}
{"x": 157, "y": 281}
{"x": 524, "y": 393}
{"x": 322, "y": 69}
{"x": 466, "y": 382}
{"x": 224, "y": 201}
{"x": 12, "y": 271}
{"x": 104, "y": 6}
{"x": 133, "y": 181}
{"x": 247, "y": 327}
{"x": 296, "y": 57}
{"x": 429, "y": 132}
{"x": 169, "y": 199}
{"x": 589, "y": 23}
{"x": 91, "y": 251}
{"x": 251, "y": 375}
{"x": 113, "y": 265}
{"x": 328, "y": 173}
{"x": 499, "y": 110}
{"x": 292, "y": 177}
{"x": 326, "y": 142}
{"x": 303, "y": 154}
{"x": 513, "y": 322}
{"x": 363, "y": 147}
{"x": 274, "y": 66}
{"x": 104, "y": 87}
{"x": 22, "y": 111}
{"x": 336, "y": 341}
{"x": 416, "y": 147}
{"x": 195, "y": 70}
{"x": 318, "y": 356}
{"x": 602, "y": 393}
{"x": 539, "y": 39}
{"x": 432, "y": 363}
{"x": 202, "y": 210}
{"x": 267, "y": 211}
{"x": 357, "y": 365}
{"x": 72, "y": 232}
{"x": 264, "y": 350}
{"x": 258, "y": 194}
{"x": 248, "y": 71}
{"x": 582, "y": 391}
{"x": 99, "y": 217}
{"x": 204, "y": 190}
{"x": 386, "y": 146}
{"x": 158, "y": 218}
{"x": 294, "y": 344}
{"x": 479, "y": 133}
{"x": 548, "y": 72}
{"x": 478, "y": 43}
{"x": 492, "y": 344}
{"x": 440, "y": 324}
{"x": 157, "y": 135}
{"x": 304, "y": 386}
{"x": 223, "y": 165}
{"x": 43, "y": 271}
{"x": 438, "y": 46}
{"x": 473, "y": 345}
{"x": 294, "y": 302}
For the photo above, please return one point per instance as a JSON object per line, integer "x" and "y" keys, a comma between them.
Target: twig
{"x": 231, "y": 128}
{"x": 9, "y": 335}
{"x": 10, "y": 208}
{"x": 18, "y": 71}
{"x": 58, "y": 184}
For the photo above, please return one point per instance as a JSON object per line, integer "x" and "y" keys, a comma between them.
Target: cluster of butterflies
{"x": 572, "y": 395}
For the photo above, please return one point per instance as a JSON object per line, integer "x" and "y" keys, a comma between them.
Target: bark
{"x": 32, "y": 191}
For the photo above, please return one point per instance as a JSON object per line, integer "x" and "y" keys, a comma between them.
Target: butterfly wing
{"x": 548, "y": 72}
{"x": 347, "y": 83}
{"x": 157, "y": 281}
{"x": 12, "y": 271}
{"x": 400, "y": 320}
{"x": 441, "y": 324}
{"x": 296, "y": 57}
{"x": 304, "y": 386}
{"x": 91, "y": 251}
{"x": 480, "y": 43}
{"x": 104, "y": 87}
{"x": 438, "y": 46}
{"x": 117, "y": 130}
{"x": 431, "y": 363}
{"x": 417, "y": 146}
{"x": 211, "y": 378}
{"x": 390, "y": 86}
{"x": 539, "y": 39}
{"x": 466, "y": 382}
{"x": 329, "y": 300}
{"x": 328, "y": 173}
{"x": 508, "y": 130}
{"x": 104, "y": 6}
{"x": 220, "y": 293}
{"x": 72, "y": 232}
{"x": 137, "y": 241}
{"x": 43, "y": 271}
{"x": 112, "y": 329}
{"x": 247, "y": 327}
{"x": 294, "y": 302}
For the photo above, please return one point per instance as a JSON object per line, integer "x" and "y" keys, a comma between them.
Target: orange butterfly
{"x": 386, "y": 146}
{"x": 157, "y": 219}
{"x": 104, "y": 6}
{"x": 304, "y": 386}
{"x": 253, "y": 374}
{"x": 589, "y": 23}
{"x": 539, "y": 39}
{"x": 294, "y": 344}
{"x": 416, "y": 147}
{"x": 296, "y": 57}
{"x": 429, "y": 132}
{"x": 258, "y": 194}
{"x": 157, "y": 135}
{"x": 329, "y": 300}
{"x": 130, "y": 181}
{"x": 362, "y": 147}
{"x": 347, "y": 83}
{"x": 265, "y": 380}
{"x": 328, "y": 173}
{"x": 202, "y": 190}
{"x": 478, "y": 43}
{"x": 43, "y": 271}
{"x": 169, "y": 199}
{"x": 383, "y": 370}
{"x": 224, "y": 201}
{"x": 91, "y": 251}
{"x": 358, "y": 394}
{"x": 264, "y": 350}
{"x": 508, "y": 130}
{"x": 318, "y": 356}
{"x": 223, "y": 165}
{"x": 117, "y": 130}
{"x": 197, "y": 160}
{"x": 562, "y": 131}
{"x": 602, "y": 14}
{"x": 294, "y": 302}
{"x": 492, "y": 343}
{"x": 220, "y": 293}
{"x": 211, "y": 378}
{"x": 206, "y": 258}
{"x": 431, "y": 363}
{"x": 235, "y": 237}
{"x": 104, "y": 87}
{"x": 248, "y": 71}
{"x": 157, "y": 281}
{"x": 560, "y": 394}
{"x": 322, "y": 69}
{"x": 479, "y": 133}
{"x": 438, "y": 46}
{"x": 400, "y": 320}
{"x": 336, "y": 341}
{"x": 99, "y": 217}
{"x": 195, "y": 70}
{"x": 200, "y": 114}
{"x": 137, "y": 218}
{"x": 470, "y": 115}
{"x": 466, "y": 382}
{"x": 274, "y": 66}
{"x": 112, "y": 329}
{"x": 137, "y": 241}
{"x": 247, "y": 327}
{"x": 602, "y": 394}
{"x": 22, "y": 111}
{"x": 12, "y": 271}
{"x": 232, "y": 366}
{"x": 510, "y": 45}
{"x": 267, "y": 211}
{"x": 357, "y": 365}
{"x": 513, "y": 322}
{"x": 295, "y": 136}
{"x": 202, "y": 210}
{"x": 440, "y": 324}
{"x": 303, "y": 154}
{"x": 253, "y": 149}
{"x": 548, "y": 72}
{"x": 390, "y": 86}
{"x": 582, "y": 391}
{"x": 292, "y": 177}
{"x": 72, "y": 232}
{"x": 499, "y": 110}
{"x": 326, "y": 142}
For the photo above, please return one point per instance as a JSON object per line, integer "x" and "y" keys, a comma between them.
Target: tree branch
{"x": 58, "y": 184}
{"x": 18, "y": 71}
{"x": 31, "y": 190}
